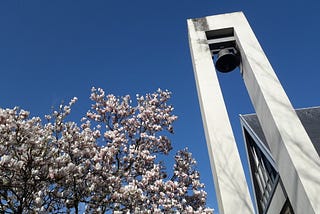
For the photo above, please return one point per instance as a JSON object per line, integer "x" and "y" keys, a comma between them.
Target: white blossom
{"x": 110, "y": 162}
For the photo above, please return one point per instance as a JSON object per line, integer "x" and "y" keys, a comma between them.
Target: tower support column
{"x": 230, "y": 183}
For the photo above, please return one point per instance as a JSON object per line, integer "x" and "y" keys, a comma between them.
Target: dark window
{"x": 264, "y": 176}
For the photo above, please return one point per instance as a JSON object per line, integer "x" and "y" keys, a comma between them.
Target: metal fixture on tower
{"x": 228, "y": 59}
{"x": 223, "y": 44}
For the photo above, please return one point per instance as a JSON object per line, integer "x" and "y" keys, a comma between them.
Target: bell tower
{"x": 224, "y": 42}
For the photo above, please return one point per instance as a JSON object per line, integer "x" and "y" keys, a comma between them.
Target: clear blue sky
{"x": 54, "y": 50}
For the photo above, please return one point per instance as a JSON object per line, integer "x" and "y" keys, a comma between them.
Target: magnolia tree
{"x": 108, "y": 163}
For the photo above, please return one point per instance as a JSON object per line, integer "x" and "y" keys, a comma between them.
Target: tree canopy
{"x": 108, "y": 163}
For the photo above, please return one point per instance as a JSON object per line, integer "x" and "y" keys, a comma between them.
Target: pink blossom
{"x": 110, "y": 162}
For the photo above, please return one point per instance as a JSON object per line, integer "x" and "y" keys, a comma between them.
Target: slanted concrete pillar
{"x": 230, "y": 183}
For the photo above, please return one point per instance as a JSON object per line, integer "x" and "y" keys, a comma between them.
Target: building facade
{"x": 270, "y": 195}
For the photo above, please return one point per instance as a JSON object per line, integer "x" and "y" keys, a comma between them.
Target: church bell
{"x": 228, "y": 59}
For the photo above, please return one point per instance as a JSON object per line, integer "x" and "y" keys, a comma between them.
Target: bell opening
{"x": 227, "y": 60}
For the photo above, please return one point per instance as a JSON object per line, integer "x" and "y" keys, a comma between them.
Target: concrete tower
{"x": 293, "y": 152}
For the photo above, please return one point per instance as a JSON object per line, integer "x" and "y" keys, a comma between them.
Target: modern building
{"x": 269, "y": 192}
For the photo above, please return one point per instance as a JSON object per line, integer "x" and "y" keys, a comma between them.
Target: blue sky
{"x": 54, "y": 50}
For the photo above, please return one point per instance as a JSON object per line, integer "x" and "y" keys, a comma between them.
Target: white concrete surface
{"x": 230, "y": 184}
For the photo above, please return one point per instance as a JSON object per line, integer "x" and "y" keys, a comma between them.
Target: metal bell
{"x": 228, "y": 59}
